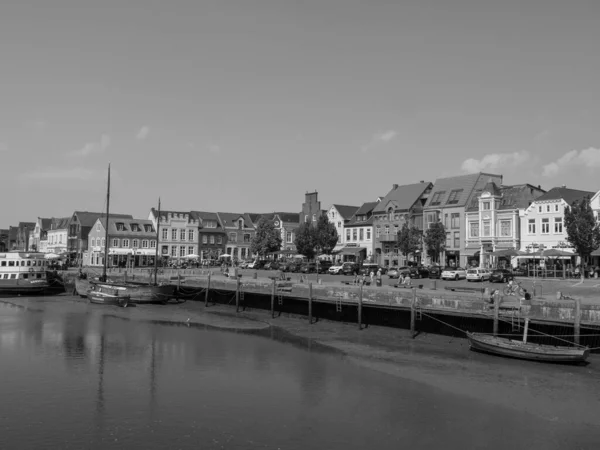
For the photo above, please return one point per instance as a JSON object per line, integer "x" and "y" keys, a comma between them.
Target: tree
{"x": 267, "y": 238}
{"x": 326, "y": 236}
{"x": 435, "y": 240}
{"x": 409, "y": 240}
{"x": 583, "y": 232}
{"x": 305, "y": 240}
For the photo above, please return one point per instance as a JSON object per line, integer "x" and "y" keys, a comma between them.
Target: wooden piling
{"x": 526, "y": 330}
{"x": 413, "y": 306}
{"x": 360, "y": 306}
{"x": 237, "y": 296}
{"x": 310, "y": 303}
{"x": 577, "y": 322}
{"x": 207, "y": 289}
{"x": 273, "y": 298}
{"x": 496, "y": 312}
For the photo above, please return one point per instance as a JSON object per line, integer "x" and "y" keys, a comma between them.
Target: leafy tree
{"x": 326, "y": 236}
{"x": 409, "y": 240}
{"x": 435, "y": 240}
{"x": 305, "y": 240}
{"x": 583, "y": 232}
{"x": 267, "y": 238}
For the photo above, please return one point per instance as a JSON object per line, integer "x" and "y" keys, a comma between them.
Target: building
{"x": 4, "y": 240}
{"x": 57, "y": 235}
{"x": 286, "y": 223}
{"x": 24, "y": 233}
{"x": 79, "y": 227}
{"x": 178, "y": 233}
{"x": 403, "y": 204}
{"x": 358, "y": 235}
{"x": 13, "y": 233}
{"x": 39, "y": 240}
{"x": 493, "y": 221}
{"x": 595, "y": 205}
{"x": 311, "y": 208}
{"x": 240, "y": 232}
{"x": 542, "y": 223}
{"x": 131, "y": 243}
{"x": 446, "y": 203}
{"x": 211, "y": 235}
{"x": 339, "y": 215}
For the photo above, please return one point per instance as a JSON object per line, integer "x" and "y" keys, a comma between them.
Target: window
{"x": 347, "y": 234}
{"x": 165, "y": 234}
{"x": 540, "y": 208}
{"x": 377, "y": 231}
{"x": 446, "y": 224}
{"x": 115, "y": 243}
{"x": 174, "y": 234}
{"x": 354, "y": 234}
{"x": 190, "y": 250}
{"x": 125, "y": 243}
{"x": 152, "y": 244}
{"x": 558, "y": 225}
{"x": 505, "y": 228}
{"x": 456, "y": 239}
{"x": 219, "y": 239}
{"x": 545, "y": 225}
{"x": 486, "y": 228}
{"x": 135, "y": 243}
{"x": 205, "y": 239}
{"x": 182, "y": 235}
{"x": 93, "y": 242}
{"x": 103, "y": 242}
{"x": 368, "y": 234}
{"x": 289, "y": 237}
{"x": 243, "y": 253}
{"x": 455, "y": 220}
{"x": 474, "y": 229}
{"x": 448, "y": 239}
{"x": 547, "y": 208}
{"x": 97, "y": 226}
{"x": 361, "y": 235}
{"x": 556, "y": 208}
{"x": 182, "y": 250}
{"x": 454, "y": 196}
{"x": 120, "y": 226}
{"x": 148, "y": 228}
{"x": 531, "y": 226}
{"x": 387, "y": 229}
{"x": 173, "y": 251}
{"x": 145, "y": 243}
{"x": 247, "y": 238}
{"x": 190, "y": 235}
{"x": 437, "y": 198}
{"x": 212, "y": 240}
{"x": 232, "y": 237}
{"x": 240, "y": 224}
{"x": 339, "y": 224}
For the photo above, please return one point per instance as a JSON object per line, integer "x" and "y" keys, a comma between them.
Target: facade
{"x": 595, "y": 204}
{"x": 240, "y": 232}
{"x": 286, "y": 223}
{"x": 358, "y": 235}
{"x": 446, "y": 203}
{"x": 211, "y": 235}
{"x": 13, "y": 233}
{"x": 403, "y": 204}
{"x": 57, "y": 235}
{"x": 178, "y": 233}
{"x": 3, "y": 240}
{"x": 493, "y": 221}
{"x": 24, "y": 234}
{"x": 542, "y": 223}
{"x": 131, "y": 243}
{"x": 311, "y": 208}
{"x": 39, "y": 239}
{"x": 340, "y": 215}
{"x": 79, "y": 227}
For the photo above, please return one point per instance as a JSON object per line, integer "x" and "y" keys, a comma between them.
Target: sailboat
{"x": 104, "y": 290}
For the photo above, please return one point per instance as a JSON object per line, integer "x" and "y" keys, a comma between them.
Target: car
{"x": 251, "y": 265}
{"x": 501, "y": 276}
{"x": 453, "y": 273}
{"x": 284, "y": 266}
{"x": 478, "y": 274}
{"x": 309, "y": 267}
{"x": 350, "y": 268}
{"x": 435, "y": 272}
{"x": 367, "y": 268}
{"x": 243, "y": 264}
{"x": 323, "y": 266}
{"x": 336, "y": 269}
{"x": 393, "y": 273}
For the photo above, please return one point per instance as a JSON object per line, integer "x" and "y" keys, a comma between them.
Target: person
{"x": 356, "y": 278}
{"x": 363, "y": 279}
{"x": 372, "y": 275}
{"x": 406, "y": 279}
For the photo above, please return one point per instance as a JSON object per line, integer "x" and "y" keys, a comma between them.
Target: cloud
{"x": 214, "y": 148}
{"x": 3, "y": 147}
{"x": 380, "y": 138}
{"x": 495, "y": 161}
{"x": 93, "y": 147}
{"x": 590, "y": 158}
{"x": 60, "y": 173}
{"x": 143, "y": 133}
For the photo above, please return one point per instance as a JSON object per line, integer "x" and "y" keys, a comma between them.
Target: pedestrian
{"x": 379, "y": 277}
{"x": 372, "y": 275}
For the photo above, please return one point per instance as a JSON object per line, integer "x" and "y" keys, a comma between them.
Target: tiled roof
{"x": 230, "y": 219}
{"x": 88, "y": 219}
{"x": 566, "y": 194}
{"x": 191, "y": 215}
{"x": 45, "y": 223}
{"x": 204, "y": 216}
{"x": 346, "y": 211}
{"x": 403, "y": 197}
{"x": 457, "y": 191}
{"x": 283, "y": 216}
{"x": 127, "y": 223}
{"x": 518, "y": 196}
{"x": 59, "y": 223}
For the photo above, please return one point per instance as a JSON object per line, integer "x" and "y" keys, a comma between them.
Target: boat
{"x": 23, "y": 273}
{"x": 107, "y": 295}
{"x": 136, "y": 292}
{"x": 526, "y": 350}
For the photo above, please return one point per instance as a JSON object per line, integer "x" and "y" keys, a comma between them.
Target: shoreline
{"x": 552, "y": 392}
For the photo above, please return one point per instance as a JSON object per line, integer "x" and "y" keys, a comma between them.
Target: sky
{"x": 244, "y": 106}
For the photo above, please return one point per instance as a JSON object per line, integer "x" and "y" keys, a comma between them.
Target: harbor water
{"x": 87, "y": 378}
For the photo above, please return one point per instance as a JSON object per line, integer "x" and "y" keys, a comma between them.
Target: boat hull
{"x": 136, "y": 292}
{"x": 23, "y": 287}
{"x": 103, "y": 299}
{"x": 529, "y": 351}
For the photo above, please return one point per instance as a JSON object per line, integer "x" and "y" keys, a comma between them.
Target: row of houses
{"x": 480, "y": 214}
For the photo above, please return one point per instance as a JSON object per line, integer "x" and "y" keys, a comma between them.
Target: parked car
{"x": 336, "y": 269}
{"x": 478, "y": 274}
{"x": 284, "y": 266}
{"x": 295, "y": 266}
{"x": 324, "y": 266}
{"x": 350, "y": 268}
{"x": 435, "y": 272}
{"x": 393, "y": 273}
{"x": 367, "y": 268}
{"x": 501, "y": 276}
{"x": 453, "y": 273}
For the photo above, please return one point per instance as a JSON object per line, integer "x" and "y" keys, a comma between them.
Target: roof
{"x": 365, "y": 210}
{"x": 492, "y": 188}
{"x": 403, "y": 197}
{"x": 88, "y": 219}
{"x": 283, "y": 216}
{"x": 230, "y": 219}
{"x": 45, "y": 223}
{"x": 462, "y": 186}
{"x": 519, "y": 196}
{"x": 59, "y": 223}
{"x": 112, "y": 227}
{"x": 29, "y": 225}
{"x": 346, "y": 211}
{"x": 191, "y": 215}
{"x": 566, "y": 194}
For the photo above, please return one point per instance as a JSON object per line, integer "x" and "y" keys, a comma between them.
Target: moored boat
{"x": 107, "y": 295}
{"x": 23, "y": 273}
{"x": 526, "y": 350}
{"x": 137, "y": 292}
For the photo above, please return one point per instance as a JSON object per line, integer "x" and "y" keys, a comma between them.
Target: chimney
{"x": 422, "y": 181}
{"x": 394, "y": 186}
{"x": 539, "y": 186}
{"x": 564, "y": 186}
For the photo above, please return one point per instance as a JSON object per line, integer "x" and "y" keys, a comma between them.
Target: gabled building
{"x": 57, "y": 235}
{"x": 39, "y": 240}
{"x": 4, "y": 240}
{"x": 358, "y": 235}
{"x": 286, "y": 223}
{"x": 446, "y": 203}
{"x": 211, "y": 235}
{"x": 542, "y": 224}
{"x": 403, "y": 204}
{"x": 13, "y": 233}
{"x": 595, "y": 205}
{"x": 178, "y": 233}
{"x": 493, "y": 221}
{"x": 240, "y": 232}
{"x": 131, "y": 243}
{"x": 340, "y": 215}
{"x": 311, "y": 208}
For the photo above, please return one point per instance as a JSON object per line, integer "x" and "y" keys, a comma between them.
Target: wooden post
{"x": 237, "y": 295}
{"x": 273, "y": 298}
{"x": 526, "y": 330}
{"x": 310, "y": 303}
{"x": 207, "y": 289}
{"x": 413, "y": 305}
{"x": 496, "y": 312}
{"x": 577, "y": 324}
{"x": 360, "y": 305}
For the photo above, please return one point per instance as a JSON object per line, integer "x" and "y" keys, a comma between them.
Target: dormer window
{"x": 486, "y": 206}
{"x": 437, "y": 198}
{"x": 120, "y": 226}
{"x": 241, "y": 223}
{"x": 148, "y": 228}
{"x": 454, "y": 196}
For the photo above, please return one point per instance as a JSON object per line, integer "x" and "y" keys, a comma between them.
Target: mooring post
{"x": 413, "y": 305}
{"x": 273, "y": 298}
{"x": 207, "y": 289}
{"x": 237, "y": 296}
{"x": 310, "y": 303}
{"x": 360, "y": 305}
{"x": 577, "y": 324}
{"x": 496, "y": 311}
{"x": 526, "y": 330}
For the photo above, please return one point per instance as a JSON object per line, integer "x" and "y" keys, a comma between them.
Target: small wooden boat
{"x": 105, "y": 295}
{"x": 526, "y": 350}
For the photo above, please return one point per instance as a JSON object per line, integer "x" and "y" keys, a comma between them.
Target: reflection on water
{"x": 88, "y": 380}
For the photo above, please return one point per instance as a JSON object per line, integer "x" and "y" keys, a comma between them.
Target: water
{"x": 86, "y": 380}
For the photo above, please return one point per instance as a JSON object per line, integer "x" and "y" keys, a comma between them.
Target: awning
{"x": 337, "y": 248}
{"x": 596, "y": 252}
{"x": 145, "y": 251}
{"x": 352, "y": 250}
{"x": 120, "y": 251}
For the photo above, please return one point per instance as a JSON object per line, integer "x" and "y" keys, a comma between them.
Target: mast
{"x": 106, "y": 227}
{"x": 157, "y": 237}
